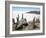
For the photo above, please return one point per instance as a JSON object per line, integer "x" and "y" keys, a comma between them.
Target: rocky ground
{"x": 29, "y": 26}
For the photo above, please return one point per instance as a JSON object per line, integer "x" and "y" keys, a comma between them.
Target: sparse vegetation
{"x": 24, "y": 25}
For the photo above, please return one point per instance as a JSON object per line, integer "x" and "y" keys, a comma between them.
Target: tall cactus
{"x": 34, "y": 23}
{"x": 22, "y": 16}
{"x": 18, "y": 18}
{"x": 17, "y": 22}
{"x": 13, "y": 21}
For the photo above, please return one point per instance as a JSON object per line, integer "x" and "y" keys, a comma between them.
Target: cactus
{"x": 22, "y": 16}
{"x": 17, "y": 18}
{"x": 34, "y": 23}
{"x": 13, "y": 21}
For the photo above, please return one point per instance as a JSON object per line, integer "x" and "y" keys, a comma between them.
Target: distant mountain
{"x": 34, "y": 12}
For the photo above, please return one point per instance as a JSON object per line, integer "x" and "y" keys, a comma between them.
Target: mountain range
{"x": 34, "y": 12}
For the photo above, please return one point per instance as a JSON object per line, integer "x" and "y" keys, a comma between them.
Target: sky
{"x": 24, "y": 9}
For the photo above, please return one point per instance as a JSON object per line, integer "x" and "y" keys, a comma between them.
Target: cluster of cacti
{"x": 21, "y": 24}
{"x": 34, "y": 23}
